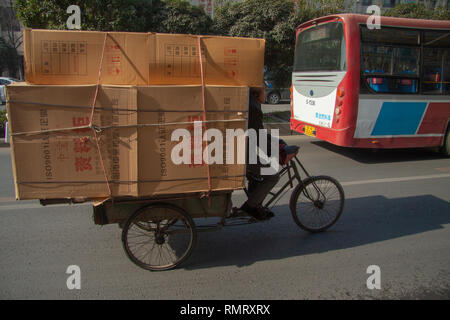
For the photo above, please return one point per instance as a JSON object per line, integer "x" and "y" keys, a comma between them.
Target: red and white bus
{"x": 373, "y": 88}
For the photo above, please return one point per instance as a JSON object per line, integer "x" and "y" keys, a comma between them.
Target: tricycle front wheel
{"x": 317, "y": 203}
{"x": 159, "y": 236}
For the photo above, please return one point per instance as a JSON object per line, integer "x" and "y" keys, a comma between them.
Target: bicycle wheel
{"x": 159, "y": 236}
{"x": 317, "y": 203}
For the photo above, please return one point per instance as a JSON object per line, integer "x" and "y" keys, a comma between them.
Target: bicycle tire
{"x": 316, "y": 204}
{"x": 152, "y": 215}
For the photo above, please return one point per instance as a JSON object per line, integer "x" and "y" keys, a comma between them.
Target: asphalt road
{"x": 397, "y": 216}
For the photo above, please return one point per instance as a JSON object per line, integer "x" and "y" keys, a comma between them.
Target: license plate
{"x": 310, "y": 131}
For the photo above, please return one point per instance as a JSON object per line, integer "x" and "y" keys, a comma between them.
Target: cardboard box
{"x": 226, "y": 60}
{"x": 74, "y": 57}
{"x": 67, "y": 164}
{"x": 134, "y": 129}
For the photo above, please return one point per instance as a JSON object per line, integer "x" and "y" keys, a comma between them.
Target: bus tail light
{"x": 339, "y": 104}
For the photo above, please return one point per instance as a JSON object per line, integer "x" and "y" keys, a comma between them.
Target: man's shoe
{"x": 255, "y": 212}
{"x": 265, "y": 212}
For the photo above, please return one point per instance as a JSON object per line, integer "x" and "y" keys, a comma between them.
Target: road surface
{"x": 396, "y": 217}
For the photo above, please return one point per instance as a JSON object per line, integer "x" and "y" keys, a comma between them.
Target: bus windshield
{"x": 321, "y": 48}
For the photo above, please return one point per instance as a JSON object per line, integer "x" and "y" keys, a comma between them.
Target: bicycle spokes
{"x": 317, "y": 203}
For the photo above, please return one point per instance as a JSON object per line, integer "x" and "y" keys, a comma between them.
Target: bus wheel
{"x": 446, "y": 147}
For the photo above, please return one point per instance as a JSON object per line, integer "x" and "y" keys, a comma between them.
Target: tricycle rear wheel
{"x": 159, "y": 236}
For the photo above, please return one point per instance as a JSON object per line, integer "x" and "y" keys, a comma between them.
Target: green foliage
{"x": 418, "y": 11}
{"x": 181, "y": 17}
{"x": 172, "y": 16}
{"x": 103, "y": 15}
{"x": 2, "y": 123}
{"x": 441, "y": 13}
{"x": 276, "y": 22}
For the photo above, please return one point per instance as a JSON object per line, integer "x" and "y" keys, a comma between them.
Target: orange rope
{"x": 100, "y": 69}
{"x": 204, "y": 107}
{"x": 91, "y": 125}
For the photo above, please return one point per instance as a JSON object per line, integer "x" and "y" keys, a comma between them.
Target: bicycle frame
{"x": 292, "y": 171}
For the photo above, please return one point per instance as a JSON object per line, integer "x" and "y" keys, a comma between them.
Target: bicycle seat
{"x": 291, "y": 149}
{"x": 287, "y": 153}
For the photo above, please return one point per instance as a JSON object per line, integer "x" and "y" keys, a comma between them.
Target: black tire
{"x": 273, "y": 98}
{"x": 160, "y": 229}
{"x": 446, "y": 147}
{"x": 317, "y": 203}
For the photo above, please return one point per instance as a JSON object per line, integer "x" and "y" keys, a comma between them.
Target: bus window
{"x": 436, "y": 69}
{"x": 406, "y": 61}
{"x": 376, "y": 59}
{"x": 394, "y": 70}
{"x": 321, "y": 48}
{"x": 389, "y": 68}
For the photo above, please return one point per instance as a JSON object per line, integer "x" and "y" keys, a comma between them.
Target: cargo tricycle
{"x": 160, "y": 233}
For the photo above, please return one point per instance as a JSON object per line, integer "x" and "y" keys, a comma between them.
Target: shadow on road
{"x": 373, "y": 156}
{"x": 364, "y": 221}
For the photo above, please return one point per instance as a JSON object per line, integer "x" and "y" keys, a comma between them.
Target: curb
{"x": 284, "y": 127}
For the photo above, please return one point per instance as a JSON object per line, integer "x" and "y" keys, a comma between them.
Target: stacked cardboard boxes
{"x": 150, "y": 85}
{"x": 74, "y": 57}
